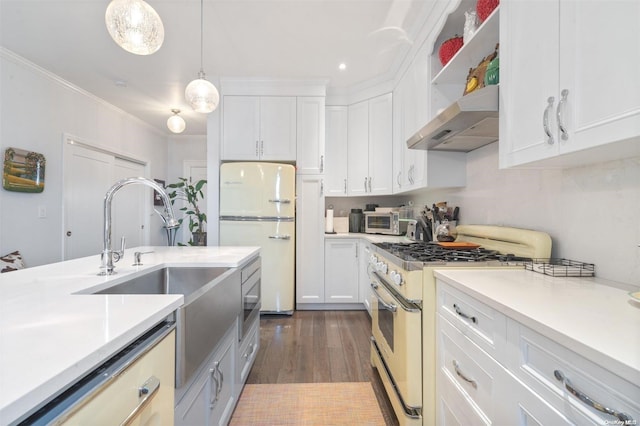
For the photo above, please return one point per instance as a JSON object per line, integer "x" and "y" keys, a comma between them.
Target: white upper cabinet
{"x": 413, "y": 168}
{"x": 568, "y": 80}
{"x": 311, "y": 135}
{"x": 336, "y": 151}
{"x": 370, "y": 147}
{"x": 259, "y": 128}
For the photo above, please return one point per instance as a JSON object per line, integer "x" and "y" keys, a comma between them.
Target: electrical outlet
{"x": 42, "y": 212}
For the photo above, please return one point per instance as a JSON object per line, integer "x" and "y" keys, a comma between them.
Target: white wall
{"x": 592, "y": 213}
{"x": 37, "y": 108}
{"x": 181, "y": 149}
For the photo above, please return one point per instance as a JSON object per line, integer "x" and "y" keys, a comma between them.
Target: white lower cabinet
{"x": 341, "y": 283}
{"x": 247, "y": 352}
{"x": 213, "y": 394}
{"x": 528, "y": 380}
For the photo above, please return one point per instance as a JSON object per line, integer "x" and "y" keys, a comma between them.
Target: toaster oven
{"x": 387, "y": 223}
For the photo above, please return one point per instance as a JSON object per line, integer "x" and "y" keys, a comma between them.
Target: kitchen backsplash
{"x": 592, "y": 213}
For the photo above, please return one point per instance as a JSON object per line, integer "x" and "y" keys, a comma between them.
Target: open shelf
{"x": 471, "y": 53}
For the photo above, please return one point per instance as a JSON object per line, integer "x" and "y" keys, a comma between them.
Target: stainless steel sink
{"x": 170, "y": 280}
{"x": 212, "y": 302}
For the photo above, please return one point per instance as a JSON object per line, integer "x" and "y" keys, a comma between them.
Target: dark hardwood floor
{"x": 318, "y": 347}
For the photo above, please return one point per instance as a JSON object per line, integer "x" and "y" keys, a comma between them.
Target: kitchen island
{"x": 52, "y": 332}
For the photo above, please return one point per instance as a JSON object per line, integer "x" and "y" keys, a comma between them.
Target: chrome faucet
{"x": 109, "y": 256}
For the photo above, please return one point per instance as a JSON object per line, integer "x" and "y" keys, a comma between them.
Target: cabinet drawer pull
{"x": 463, "y": 315}
{"x": 146, "y": 392}
{"x": 545, "y": 119}
{"x": 563, "y": 130}
{"x": 472, "y": 382}
{"x": 345, "y": 186}
{"x": 214, "y": 381}
{"x": 623, "y": 417}
{"x": 249, "y": 351}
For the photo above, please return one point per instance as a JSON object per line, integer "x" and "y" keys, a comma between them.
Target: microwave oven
{"x": 387, "y": 223}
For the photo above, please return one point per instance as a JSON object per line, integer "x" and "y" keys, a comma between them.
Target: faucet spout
{"x": 109, "y": 256}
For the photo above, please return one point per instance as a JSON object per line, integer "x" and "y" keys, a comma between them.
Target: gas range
{"x": 414, "y": 256}
{"x": 403, "y": 305}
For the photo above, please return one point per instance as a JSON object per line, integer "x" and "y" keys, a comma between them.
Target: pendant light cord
{"x": 201, "y": 35}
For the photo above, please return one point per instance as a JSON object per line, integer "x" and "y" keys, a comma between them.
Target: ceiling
{"x": 283, "y": 39}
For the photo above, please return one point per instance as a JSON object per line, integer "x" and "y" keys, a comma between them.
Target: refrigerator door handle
{"x": 283, "y": 201}
{"x": 280, "y": 237}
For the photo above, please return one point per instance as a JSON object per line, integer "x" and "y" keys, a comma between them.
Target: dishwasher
{"x": 68, "y": 406}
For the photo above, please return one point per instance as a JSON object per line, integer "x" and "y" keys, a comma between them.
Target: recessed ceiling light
{"x": 342, "y": 66}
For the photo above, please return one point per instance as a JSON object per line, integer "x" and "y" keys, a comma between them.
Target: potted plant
{"x": 191, "y": 194}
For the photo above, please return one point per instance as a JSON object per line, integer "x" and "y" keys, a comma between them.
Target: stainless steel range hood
{"x": 468, "y": 124}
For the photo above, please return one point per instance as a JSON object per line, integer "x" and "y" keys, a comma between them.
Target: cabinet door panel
{"x": 241, "y": 128}
{"x": 358, "y": 148}
{"x": 278, "y": 128}
{"x": 341, "y": 271}
{"x": 310, "y": 151}
{"x": 310, "y": 240}
{"x": 380, "y": 144}
{"x": 529, "y": 56}
{"x": 336, "y": 151}
{"x": 603, "y": 104}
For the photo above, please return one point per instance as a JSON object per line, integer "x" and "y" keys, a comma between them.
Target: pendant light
{"x": 175, "y": 123}
{"x": 201, "y": 94}
{"x": 135, "y": 26}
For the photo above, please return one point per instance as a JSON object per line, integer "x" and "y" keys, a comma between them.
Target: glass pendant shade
{"x": 175, "y": 123}
{"x": 202, "y": 95}
{"x": 135, "y": 26}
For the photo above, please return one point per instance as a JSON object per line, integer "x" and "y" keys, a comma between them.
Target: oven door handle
{"x": 388, "y": 306}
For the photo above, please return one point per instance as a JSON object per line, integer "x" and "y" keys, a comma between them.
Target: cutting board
{"x": 459, "y": 245}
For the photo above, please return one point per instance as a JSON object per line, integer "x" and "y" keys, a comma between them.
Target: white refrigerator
{"x": 257, "y": 208}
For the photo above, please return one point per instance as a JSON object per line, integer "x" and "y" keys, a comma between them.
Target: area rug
{"x": 350, "y": 404}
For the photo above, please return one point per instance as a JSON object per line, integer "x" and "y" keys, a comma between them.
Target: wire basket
{"x": 558, "y": 267}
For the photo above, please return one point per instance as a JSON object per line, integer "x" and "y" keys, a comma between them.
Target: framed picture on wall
{"x": 157, "y": 201}
{"x": 23, "y": 170}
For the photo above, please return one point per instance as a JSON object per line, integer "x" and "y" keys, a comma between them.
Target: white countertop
{"x": 372, "y": 238}
{"x": 594, "y": 319}
{"x": 50, "y": 336}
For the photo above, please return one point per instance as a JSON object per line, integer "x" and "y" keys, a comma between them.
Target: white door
{"x": 277, "y": 243}
{"x": 87, "y": 177}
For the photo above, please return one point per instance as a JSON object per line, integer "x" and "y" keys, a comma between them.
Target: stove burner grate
{"x": 425, "y": 252}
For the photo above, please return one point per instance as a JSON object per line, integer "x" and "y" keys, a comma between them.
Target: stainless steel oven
{"x": 251, "y": 299}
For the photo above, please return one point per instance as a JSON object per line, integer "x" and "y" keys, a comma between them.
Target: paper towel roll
{"x": 328, "y": 223}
